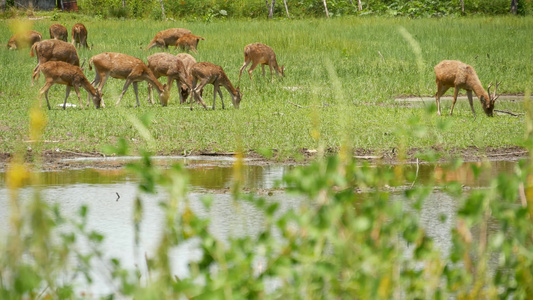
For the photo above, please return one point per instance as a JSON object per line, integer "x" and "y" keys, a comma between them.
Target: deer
{"x": 79, "y": 35}
{"x": 168, "y": 37}
{"x": 58, "y": 32}
{"x": 24, "y": 39}
{"x": 453, "y": 73}
{"x": 206, "y": 72}
{"x": 188, "y": 42}
{"x": 166, "y": 64}
{"x": 122, "y": 66}
{"x": 53, "y": 50}
{"x": 59, "y": 72}
{"x": 188, "y": 61}
{"x": 258, "y": 53}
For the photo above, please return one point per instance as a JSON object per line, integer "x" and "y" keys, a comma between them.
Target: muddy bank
{"x": 71, "y": 159}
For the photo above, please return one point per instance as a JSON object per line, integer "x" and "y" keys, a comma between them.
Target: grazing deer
{"x": 168, "y": 37}
{"x": 122, "y": 66}
{"x": 53, "y": 50}
{"x": 79, "y": 35}
{"x": 188, "y": 42}
{"x": 24, "y": 39}
{"x": 188, "y": 61}
{"x": 166, "y": 64}
{"x": 58, "y": 32}
{"x": 206, "y": 72}
{"x": 453, "y": 73}
{"x": 258, "y": 53}
{"x": 58, "y": 72}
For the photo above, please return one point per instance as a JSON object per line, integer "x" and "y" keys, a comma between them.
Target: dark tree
{"x": 514, "y": 7}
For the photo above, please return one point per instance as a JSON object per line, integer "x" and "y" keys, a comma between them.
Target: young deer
{"x": 79, "y": 35}
{"x": 53, "y": 50}
{"x": 58, "y": 32}
{"x": 453, "y": 73}
{"x": 166, "y": 64}
{"x": 122, "y": 66}
{"x": 206, "y": 72}
{"x": 58, "y": 72}
{"x": 24, "y": 39}
{"x": 258, "y": 53}
{"x": 188, "y": 42}
{"x": 188, "y": 61}
{"x": 168, "y": 37}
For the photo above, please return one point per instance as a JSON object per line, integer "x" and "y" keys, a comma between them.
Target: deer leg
{"x": 263, "y": 68}
{"x": 254, "y": 64}
{"x": 471, "y": 101}
{"x": 271, "y": 74}
{"x": 124, "y": 89}
{"x": 197, "y": 90}
{"x": 77, "y": 89}
{"x": 244, "y": 65}
{"x": 36, "y": 74}
{"x": 220, "y": 93}
{"x": 455, "y": 92}
{"x": 440, "y": 91}
{"x": 66, "y": 97}
{"x": 136, "y": 90}
{"x": 150, "y": 94}
{"x": 44, "y": 90}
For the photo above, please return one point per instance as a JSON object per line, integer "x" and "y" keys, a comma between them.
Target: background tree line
{"x": 209, "y": 9}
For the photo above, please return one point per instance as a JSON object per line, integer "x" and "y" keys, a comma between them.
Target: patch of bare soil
{"x": 54, "y": 160}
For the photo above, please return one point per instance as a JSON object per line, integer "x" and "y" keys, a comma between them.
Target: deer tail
{"x": 32, "y": 54}
{"x": 90, "y": 64}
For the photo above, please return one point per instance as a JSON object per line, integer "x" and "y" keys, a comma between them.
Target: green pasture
{"x": 342, "y": 76}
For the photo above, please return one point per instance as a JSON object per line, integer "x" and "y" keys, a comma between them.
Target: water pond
{"x": 110, "y": 195}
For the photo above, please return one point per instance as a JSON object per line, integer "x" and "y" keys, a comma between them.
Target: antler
{"x": 494, "y": 97}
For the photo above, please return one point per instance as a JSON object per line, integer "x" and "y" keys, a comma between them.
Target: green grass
{"x": 369, "y": 64}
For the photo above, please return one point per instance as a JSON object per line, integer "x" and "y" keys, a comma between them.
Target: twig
{"x": 508, "y": 112}
{"x": 416, "y": 175}
{"x": 383, "y": 58}
{"x": 82, "y": 154}
{"x": 118, "y": 196}
{"x": 299, "y": 106}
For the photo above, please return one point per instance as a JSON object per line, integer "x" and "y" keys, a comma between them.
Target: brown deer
{"x": 453, "y": 73}
{"x": 122, "y": 66}
{"x": 166, "y": 64}
{"x": 53, "y": 50}
{"x": 24, "y": 39}
{"x": 168, "y": 37}
{"x": 206, "y": 72}
{"x": 58, "y": 32}
{"x": 188, "y": 42}
{"x": 58, "y": 72}
{"x": 188, "y": 61}
{"x": 258, "y": 53}
{"x": 79, "y": 35}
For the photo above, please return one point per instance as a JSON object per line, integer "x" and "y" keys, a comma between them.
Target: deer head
{"x": 488, "y": 105}
{"x": 236, "y": 99}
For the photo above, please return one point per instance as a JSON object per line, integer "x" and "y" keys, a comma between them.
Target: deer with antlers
{"x": 206, "y": 72}
{"x": 58, "y": 32}
{"x": 53, "y": 50}
{"x": 168, "y": 37}
{"x": 24, "y": 39}
{"x": 79, "y": 35}
{"x": 456, "y": 74}
{"x": 122, "y": 66}
{"x": 59, "y": 72}
{"x": 189, "y": 42}
{"x": 166, "y": 64}
{"x": 258, "y": 53}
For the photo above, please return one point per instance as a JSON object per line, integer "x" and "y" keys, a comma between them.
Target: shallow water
{"x": 112, "y": 215}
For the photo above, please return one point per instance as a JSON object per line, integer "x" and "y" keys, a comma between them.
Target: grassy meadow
{"x": 342, "y": 76}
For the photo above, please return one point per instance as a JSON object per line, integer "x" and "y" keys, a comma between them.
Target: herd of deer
{"x": 59, "y": 62}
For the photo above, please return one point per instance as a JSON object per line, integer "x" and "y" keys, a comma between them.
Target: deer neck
{"x": 480, "y": 91}
{"x": 227, "y": 84}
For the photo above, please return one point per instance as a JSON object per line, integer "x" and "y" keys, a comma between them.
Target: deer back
{"x": 56, "y": 50}
{"x": 58, "y": 32}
